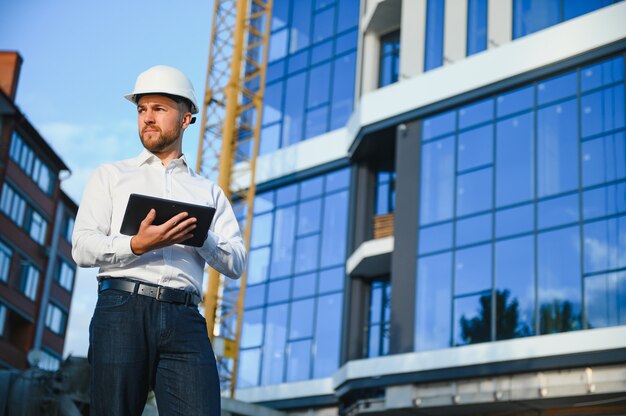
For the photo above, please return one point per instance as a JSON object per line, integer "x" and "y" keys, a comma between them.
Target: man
{"x": 146, "y": 331}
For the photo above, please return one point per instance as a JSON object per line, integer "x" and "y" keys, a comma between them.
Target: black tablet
{"x": 140, "y": 205}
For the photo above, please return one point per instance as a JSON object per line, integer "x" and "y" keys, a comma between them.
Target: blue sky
{"x": 80, "y": 58}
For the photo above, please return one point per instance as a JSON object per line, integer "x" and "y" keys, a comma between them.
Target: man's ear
{"x": 186, "y": 119}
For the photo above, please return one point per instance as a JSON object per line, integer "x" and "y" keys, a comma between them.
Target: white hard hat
{"x": 162, "y": 79}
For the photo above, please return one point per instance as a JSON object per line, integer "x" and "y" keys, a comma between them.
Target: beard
{"x": 160, "y": 140}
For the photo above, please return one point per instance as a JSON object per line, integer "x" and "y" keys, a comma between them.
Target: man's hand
{"x": 150, "y": 237}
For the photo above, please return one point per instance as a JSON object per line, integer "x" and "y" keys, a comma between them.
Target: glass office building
{"x": 440, "y": 221}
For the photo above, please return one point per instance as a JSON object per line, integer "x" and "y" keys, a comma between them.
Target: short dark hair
{"x": 186, "y": 102}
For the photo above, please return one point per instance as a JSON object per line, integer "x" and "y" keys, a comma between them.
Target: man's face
{"x": 161, "y": 122}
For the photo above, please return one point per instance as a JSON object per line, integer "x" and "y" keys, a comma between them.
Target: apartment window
{"x": 389, "y": 59}
{"x": 5, "y": 261}
{"x": 379, "y": 318}
{"x": 311, "y": 70}
{"x": 68, "y": 228}
{"x": 23, "y": 214}
{"x": 56, "y": 319}
{"x": 385, "y": 192}
{"x": 65, "y": 274}
{"x": 13, "y": 205}
{"x": 37, "y": 227}
{"x": 434, "y": 34}
{"x": 523, "y": 211}
{"x": 30, "y": 281}
{"x": 33, "y": 166}
{"x": 476, "y": 26}
{"x": 530, "y": 16}
{"x": 294, "y": 291}
{"x": 49, "y": 361}
{"x": 3, "y": 318}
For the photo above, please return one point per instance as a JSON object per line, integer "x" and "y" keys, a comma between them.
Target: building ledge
{"x": 371, "y": 258}
{"x": 385, "y": 15}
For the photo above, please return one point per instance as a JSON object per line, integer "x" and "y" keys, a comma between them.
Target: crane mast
{"x": 228, "y": 149}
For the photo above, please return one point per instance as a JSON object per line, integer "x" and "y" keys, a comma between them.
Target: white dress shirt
{"x": 97, "y": 242}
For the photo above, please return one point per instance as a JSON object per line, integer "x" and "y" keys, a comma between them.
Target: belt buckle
{"x": 158, "y": 292}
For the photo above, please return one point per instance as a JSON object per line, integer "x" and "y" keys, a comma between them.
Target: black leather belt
{"x": 161, "y": 293}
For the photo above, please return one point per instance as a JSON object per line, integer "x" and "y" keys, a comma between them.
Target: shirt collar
{"x": 148, "y": 157}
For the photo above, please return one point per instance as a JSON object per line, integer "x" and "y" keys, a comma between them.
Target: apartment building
{"x": 36, "y": 220}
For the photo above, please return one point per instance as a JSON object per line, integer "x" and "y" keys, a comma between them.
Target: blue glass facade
{"x": 379, "y": 318}
{"x": 523, "y": 212}
{"x": 530, "y": 16}
{"x": 433, "y": 52}
{"x": 294, "y": 295}
{"x": 311, "y": 70}
{"x": 389, "y": 67}
{"x": 476, "y": 26}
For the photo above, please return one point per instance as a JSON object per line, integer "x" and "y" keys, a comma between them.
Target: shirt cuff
{"x": 121, "y": 246}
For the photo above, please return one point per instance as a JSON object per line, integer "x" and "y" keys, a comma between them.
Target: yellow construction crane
{"x": 228, "y": 149}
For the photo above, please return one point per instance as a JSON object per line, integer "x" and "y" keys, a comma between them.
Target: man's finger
{"x": 149, "y": 218}
{"x": 176, "y": 219}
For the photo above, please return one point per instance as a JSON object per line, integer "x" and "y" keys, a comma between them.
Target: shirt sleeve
{"x": 224, "y": 249}
{"x": 92, "y": 244}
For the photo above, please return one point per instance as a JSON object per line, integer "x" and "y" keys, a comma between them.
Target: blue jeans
{"x": 137, "y": 343}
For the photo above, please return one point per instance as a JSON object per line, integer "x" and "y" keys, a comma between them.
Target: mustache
{"x": 143, "y": 130}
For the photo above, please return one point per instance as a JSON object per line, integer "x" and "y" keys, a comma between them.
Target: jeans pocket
{"x": 112, "y": 298}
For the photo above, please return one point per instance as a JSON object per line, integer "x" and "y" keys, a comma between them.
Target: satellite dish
{"x": 34, "y": 357}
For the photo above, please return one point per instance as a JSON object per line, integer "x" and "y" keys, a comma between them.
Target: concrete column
{"x": 499, "y": 23}
{"x": 454, "y": 31}
{"x": 412, "y": 38}
{"x": 403, "y": 258}
{"x": 370, "y": 63}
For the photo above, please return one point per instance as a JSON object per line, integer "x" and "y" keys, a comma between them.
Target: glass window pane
{"x": 252, "y": 329}
{"x": 258, "y": 265}
{"x": 476, "y": 26}
{"x": 321, "y": 52}
{"x": 346, "y": 42}
{"x": 275, "y": 70}
{"x": 255, "y": 296}
{"x": 557, "y": 148}
{"x": 475, "y": 113}
{"x": 342, "y": 90}
{"x": 473, "y": 270}
{"x": 474, "y": 191}
{"x": 327, "y": 335}
{"x": 301, "y": 26}
{"x": 515, "y": 101}
{"x": 559, "y": 280}
{"x": 274, "y": 345}
{"x": 263, "y": 202}
{"x": 338, "y": 180}
{"x": 316, "y": 122}
{"x": 249, "y": 361}
{"x": 476, "y": 147}
{"x": 601, "y": 74}
{"x": 283, "y": 242}
{"x": 438, "y": 125}
{"x": 604, "y": 159}
{"x": 557, "y": 88}
{"x": 319, "y": 82}
{"x": 270, "y": 139}
{"x": 334, "y": 228}
{"x": 529, "y": 16}
{"x": 278, "y": 45}
{"x": 272, "y": 103}
{"x": 294, "y": 109}
{"x": 278, "y": 291}
{"x": 307, "y": 249}
{"x": 574, "y": 8}
{"x": 472, "y": 319}
{"x": 301, "y": 325}
{"x": 311, "y": 188}
{"x": 602, "y": 111}
{"x": 435, "y": 238}
{"x": 605, "y": 245}
{"x": 515, "y": 220}
{"x": 437, "y": 177}
{"x": 604, "y": 201}
{"x": 605, "y": 297}
{"x": 261, "y": 230}
{"x": 434, "y": 34}
{"x": 558, "y": 211}
{"x": 298, "y": 61}
{"x": 331, "y": 280}
{"x": 348, "y": 15}
{"x": 304, "y": 285}
{"x": 324, "y": 23}
{"x": 280, "y": 13}
{"x": 309, "y": 214}
{"x": 299, "y": 365}
{"x": 515, "y": 287}
{"x": 474, "y": 229}
{"x": 433, "y": 308}
{"x": 286, "y": 195}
